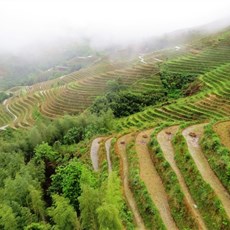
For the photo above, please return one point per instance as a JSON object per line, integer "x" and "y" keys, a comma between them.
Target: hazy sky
{"x": 27, "y": 21}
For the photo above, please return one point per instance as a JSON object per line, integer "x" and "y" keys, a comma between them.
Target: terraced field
{"x": 174, "y": 158}
{"x": 175, "y": 179}
{"x": 72, "y": 94}
{"x": 212, "y": 103}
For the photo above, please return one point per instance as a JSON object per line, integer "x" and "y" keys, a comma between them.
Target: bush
{"x": 125, "y": 102}
{"x": 176, "y": 83}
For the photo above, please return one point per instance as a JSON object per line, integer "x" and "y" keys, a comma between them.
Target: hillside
{"x": 138, "y": 143}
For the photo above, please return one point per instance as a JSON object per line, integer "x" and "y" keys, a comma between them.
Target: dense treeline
{"x": 176, "y": 83}
{"x": 46, "y": 181}
{"x": 123, "y": 101}
{"x": 61, "y": 131}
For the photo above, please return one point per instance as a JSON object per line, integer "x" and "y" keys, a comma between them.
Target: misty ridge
{"x": 37, "y": 37}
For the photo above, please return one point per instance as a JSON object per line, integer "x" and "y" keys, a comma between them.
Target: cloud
{"x": 29, "y": 21}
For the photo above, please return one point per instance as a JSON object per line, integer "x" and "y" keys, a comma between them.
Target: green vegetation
{"x": 176, "y": 83}
{"x": 62, "y": 214}
{"x": 46, "y": 176}
{"x": 147, "y": 209}
{"x": 218, "y": 156}
{"x": 209, "y": 205}
{"x": 124, "y": 102}
{"x": 24, "y": 70}
{"x": 179, "y": 211}
{"x": 4, "y": 96}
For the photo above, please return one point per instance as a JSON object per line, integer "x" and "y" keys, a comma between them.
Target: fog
{"x": 26, "y": 23}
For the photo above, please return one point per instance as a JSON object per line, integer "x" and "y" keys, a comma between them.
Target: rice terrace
{"x": 117, "y": 136}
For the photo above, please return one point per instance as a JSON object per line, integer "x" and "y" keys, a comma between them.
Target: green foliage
{"x": 103, "y": 207}
{"x": 10, "y": 164}
{"x": 21, "y": 194}
{"x": 37, "y": 204}
{"x": 45, "y": 152}
{"x": 125, "y": 102}
{"x": 209, "y": 205}
{"x": 8, "y": 219}
{"x": 36, "y": 114}
{"x": 64, "y": 130}
{"x": 218, "y": 156}
{"x": 67, "y": 181}
{"x": 89, "y": 200}
{"x": 113, "y": 191}
{"x": 144, "y": 202}
{"x": 115, "y": 85}
{"x": 73, "y": 135}
{"x": 4, "y": 96}
{"x": 108, "y": 217}
{"x": 63, "y": 214}
{"x": 177, "y": 205}
{"x": 176, "y": 83}
{"x": 38, "y": 226}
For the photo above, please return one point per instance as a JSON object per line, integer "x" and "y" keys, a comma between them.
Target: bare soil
{"x": 223, "y": 130}
{"x": 152, "y": 180}
{"x": 121, "y": 151}
{"x": 94, "y": 152}
{"x": 164, "y": 139}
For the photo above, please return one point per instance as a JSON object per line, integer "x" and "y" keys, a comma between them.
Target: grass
{"x": 146, "y": 207}
{"x": 180, "y": 213}
{"x": 217, "y": 155}
{"x": 209, "y": 205}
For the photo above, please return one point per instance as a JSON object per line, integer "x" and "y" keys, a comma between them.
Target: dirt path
{"x": 94, "y": 152}
{"x": 107, "y": 148}
{"x": 203, "y": 166}
{"x": 164, "y": 139}
{"x": 157, "y": 59}
{"x": 121, "y": 150}
{"x": 2, "y": 128}
{"x": 152, "y": 180}
{"x": 142, "y": 59}
{"x": 223, "y": 131}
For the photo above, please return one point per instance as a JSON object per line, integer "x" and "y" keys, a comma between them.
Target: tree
{"x": 68, "y": 180}
{"x": 108, "y": 217}
{"x": 37, "y": 204}
{"x": 108, "y": 212}
{"x": 63, "y": 214}
{"x": 115, "y": 85}
{"x": 45, "y": 152}
{"x": 73, "y": 135}
{"x": 7, "y": 218}
{"x": 89, "y": 200}
{"x": 113, "y": 191}
{"x": 34, "y": 137}
{"x": 38, "y": 226}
